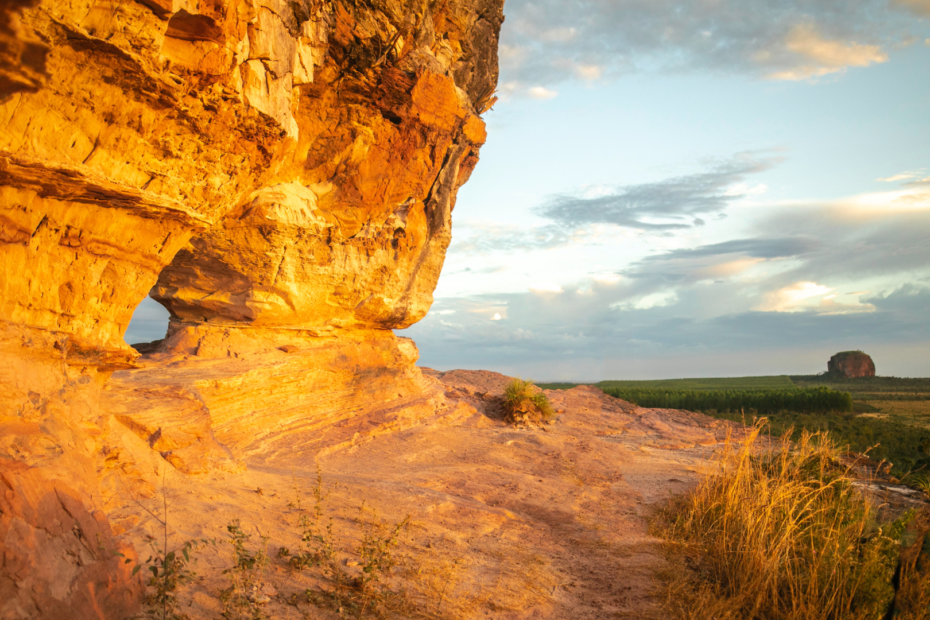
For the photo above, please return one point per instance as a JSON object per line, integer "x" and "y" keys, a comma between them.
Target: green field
{"x": 725, "y": 383}
{"x": 767, "y": 401}
{"x": 889, "y": 417}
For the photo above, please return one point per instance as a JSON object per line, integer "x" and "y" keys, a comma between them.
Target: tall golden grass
{"x": 781, "y": 533}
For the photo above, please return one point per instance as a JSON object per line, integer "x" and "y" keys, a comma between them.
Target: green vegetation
{"x": 243, "y": 598}
{"x": 370, "y": 590}
{"x": 865, "y": 385}
{"x": 524, "y": 403}
{"x": 716, "y": 383}
{"x": 785, "y": 535}
{"x": 905, "y": 447}
{"x": 557, "y": 386}
{"x": 811, "y": 400}
{"x": 889, "y": 417}
{"x": 169, "y": 571}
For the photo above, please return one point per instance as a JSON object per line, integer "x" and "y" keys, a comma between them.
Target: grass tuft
{"x": 526, "y": 404}
{"x": 781, "y": 535}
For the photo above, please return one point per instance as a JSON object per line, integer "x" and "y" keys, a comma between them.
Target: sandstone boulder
{"x": 851, "y": 365}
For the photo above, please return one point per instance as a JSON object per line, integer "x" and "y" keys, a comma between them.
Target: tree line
{"x": 810, "y": 400}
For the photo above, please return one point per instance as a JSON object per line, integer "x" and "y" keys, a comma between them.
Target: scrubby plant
{"x": 169, "y": 571}
{"x": 243, "y": 598}
{"x": 317, "y": 541}
{"x": 780, "y": 534}
{"x": 376, "y": 558}
{"x": 367, "y": 592}
{"x": 526, "y": 404}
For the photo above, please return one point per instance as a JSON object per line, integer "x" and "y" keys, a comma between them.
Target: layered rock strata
{"x": 280, "y": 175}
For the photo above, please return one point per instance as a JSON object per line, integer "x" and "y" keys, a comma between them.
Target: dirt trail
{"x": 505, "y": 523}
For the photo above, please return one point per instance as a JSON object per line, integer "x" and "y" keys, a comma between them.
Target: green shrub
{"x": 524, "y": 403}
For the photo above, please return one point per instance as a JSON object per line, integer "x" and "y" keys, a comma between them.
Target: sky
{"x": 692, "y": 189}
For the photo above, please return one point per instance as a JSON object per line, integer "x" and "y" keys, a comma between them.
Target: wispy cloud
{"x": 671, "y": 204}
{"x": 904, "y": 176}
{"x": 483, "y": 237}
{"x": 818, "y": 56}
{"x": 547, "y": 41}
{"x": 541, "y": 92}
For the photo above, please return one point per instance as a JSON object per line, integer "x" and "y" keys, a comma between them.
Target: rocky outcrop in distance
{"x": 281, "y": 176}
{"x": 851, "y": 365}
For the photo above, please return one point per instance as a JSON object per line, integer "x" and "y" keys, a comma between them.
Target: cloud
{"x": 541, "y": 92}
{"x": 671, "y": 204}
{"x": 484, "y": 237}
{"x": 897, "y": 177}
{"x": 547, "y": 41}
{"x": 585, "y": 337}
{"x": 798, "y": 281}
{"x": 921, "y": 7}
{"x": 546, "y": 287}
{"x": 793, "y": 298}
{"x": 592, "y": 218}
{"x": 652, "y": 300}
{"x": 819, "y": 56}
{"x": 779, "y": 247}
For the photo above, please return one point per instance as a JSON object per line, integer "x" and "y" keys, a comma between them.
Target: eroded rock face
{"x": 851, "y": 364}
{"x": 59, "y": 559}
{"x": 271, "y": 171}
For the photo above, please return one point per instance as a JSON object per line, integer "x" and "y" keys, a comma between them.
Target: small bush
{"x": 781, "y": 535}
{"x": 243, "y": 599}
{"x": 317, "y": 540}
{"x": 524, "y": 403}
{"x": 358, "y": 593}
{"x": 169, "y": 571}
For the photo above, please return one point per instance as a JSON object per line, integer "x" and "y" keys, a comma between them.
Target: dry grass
{"x": 909, "y": 411}
{"x": 524, "y": 403}
{"x": 782, "y": 535}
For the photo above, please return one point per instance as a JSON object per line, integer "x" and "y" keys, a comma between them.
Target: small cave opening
{"x": 149, "y": 324}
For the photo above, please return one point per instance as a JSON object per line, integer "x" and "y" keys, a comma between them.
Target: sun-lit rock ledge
{"x": 210, "y": 398}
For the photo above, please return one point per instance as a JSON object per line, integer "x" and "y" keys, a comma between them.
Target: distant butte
{"x": 851, "y": 365}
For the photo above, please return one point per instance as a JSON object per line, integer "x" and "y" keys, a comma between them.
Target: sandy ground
{"x": 504, "y": 522}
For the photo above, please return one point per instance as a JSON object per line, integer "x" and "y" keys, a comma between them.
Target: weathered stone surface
{"x": 225, "y": 395}
{"x": 505, "y": 522}
{"x": 851, "y": 364}
{"x": 60, "y": 560}
{"x": 281, "y": 175}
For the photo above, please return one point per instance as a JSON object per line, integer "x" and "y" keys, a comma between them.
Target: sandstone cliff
{"x": 281, "y": 176}
{"x": 851, "y": 364}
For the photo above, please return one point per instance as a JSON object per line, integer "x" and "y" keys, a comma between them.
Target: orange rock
{"x": 475, "y": 130}
{"x": 278, "y": 174}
